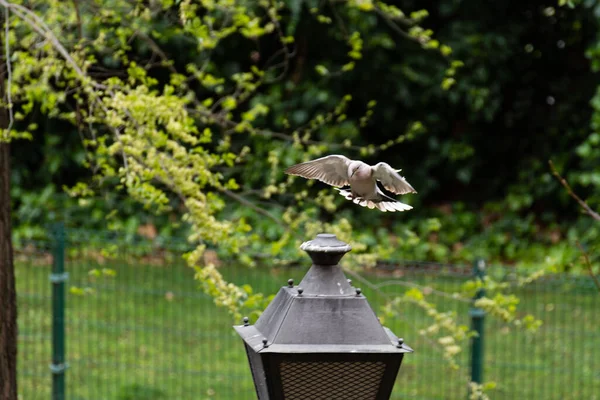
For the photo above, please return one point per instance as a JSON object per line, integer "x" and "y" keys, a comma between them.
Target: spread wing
{"x": 391, "y": 180}
{"x": 332, "y": 170}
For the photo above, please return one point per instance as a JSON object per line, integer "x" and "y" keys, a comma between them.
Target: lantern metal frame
{"x": 328, "y": 325}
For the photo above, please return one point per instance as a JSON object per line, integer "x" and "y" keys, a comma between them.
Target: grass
{"x": 149, "y": 333}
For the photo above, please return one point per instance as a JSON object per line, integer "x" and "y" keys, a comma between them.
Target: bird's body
{"x": 339, "y": 171}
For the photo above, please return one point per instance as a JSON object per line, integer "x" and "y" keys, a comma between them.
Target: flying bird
{"x": 339, "y": 171}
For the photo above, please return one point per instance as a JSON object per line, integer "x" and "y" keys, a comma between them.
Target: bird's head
{"x": 357, "y": 169}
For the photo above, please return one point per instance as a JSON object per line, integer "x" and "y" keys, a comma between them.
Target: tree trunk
{"x": 8, "y": 295}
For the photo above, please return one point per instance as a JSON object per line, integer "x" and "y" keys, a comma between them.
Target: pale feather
{"x": 333, "y": 170}
{"x": 384, "y": 206}
{"x": 391, "y": 180}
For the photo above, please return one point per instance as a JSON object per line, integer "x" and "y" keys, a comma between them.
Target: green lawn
{"x": 151, "y": 331}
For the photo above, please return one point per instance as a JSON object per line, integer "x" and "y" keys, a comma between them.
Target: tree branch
{"x": 227, "y": 123}
{"x": 588, "y": 210}
{"x": 78, "y": 16}
{"x": 38, "y": 25}
{"x": 588, "y": 264}
{"x": 8, "y": 64}
{"x": 256, "y": 208}
{"x": 423, "y": 288}
{"x": 395, "y": 27}
{"x": 157, "y": 50}
{"x": 287, "y": 55}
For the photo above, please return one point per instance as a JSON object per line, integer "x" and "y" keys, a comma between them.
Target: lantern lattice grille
{"x": 331, "y": 380}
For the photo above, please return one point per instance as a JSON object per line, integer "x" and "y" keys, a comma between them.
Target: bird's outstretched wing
{"x": 332, "y": 170}
{"x": 391, "y": 180}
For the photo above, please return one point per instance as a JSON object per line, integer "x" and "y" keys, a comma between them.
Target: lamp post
{"x": 321, "y": 340}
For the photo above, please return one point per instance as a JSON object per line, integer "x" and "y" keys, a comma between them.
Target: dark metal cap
{"x": 325, "y": 277}
{"x": 325, "y": 249}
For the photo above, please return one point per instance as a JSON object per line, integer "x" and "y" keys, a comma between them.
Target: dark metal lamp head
{"x": 321, "y": 340}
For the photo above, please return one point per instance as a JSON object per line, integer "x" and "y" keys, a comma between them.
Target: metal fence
{"x": 137, "y": 326}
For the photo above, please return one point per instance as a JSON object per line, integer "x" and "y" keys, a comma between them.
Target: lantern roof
{"x": 324, "y": 313}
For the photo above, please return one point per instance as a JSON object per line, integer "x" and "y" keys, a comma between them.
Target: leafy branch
{"x": 588, "y": 210}
{"x": 588, "y": 265}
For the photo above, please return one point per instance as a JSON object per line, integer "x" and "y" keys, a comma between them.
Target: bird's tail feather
{"x": 392, "y": 205}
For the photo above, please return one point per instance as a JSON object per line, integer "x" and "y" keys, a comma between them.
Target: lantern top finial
{"x": 326, "y": 249}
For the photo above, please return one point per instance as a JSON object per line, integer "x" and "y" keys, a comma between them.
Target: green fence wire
{"x": 138, "y": 327}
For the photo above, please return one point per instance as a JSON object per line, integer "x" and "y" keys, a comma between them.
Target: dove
{"x": 339, "y": 171}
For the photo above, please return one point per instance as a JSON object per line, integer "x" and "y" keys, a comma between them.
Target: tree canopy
{"x": 199, "y": 106}
{"x": 195, "y": 108}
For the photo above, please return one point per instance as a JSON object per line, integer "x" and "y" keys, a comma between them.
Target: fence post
{"x": 477, "y": 319}
{"x": 58, "y": 278}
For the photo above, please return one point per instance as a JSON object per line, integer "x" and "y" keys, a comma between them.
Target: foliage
{"x": 478, "y": 392}
{"x": 165, "y": 131}
{"x": 194, "y": 108}
{"x": 449, "y": 334}
{"x": 461, "y": 119}
{"x": 497, "y": 302}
